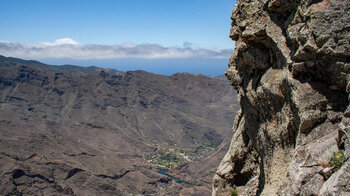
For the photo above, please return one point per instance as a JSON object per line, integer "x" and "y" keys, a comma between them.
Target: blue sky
{"x": 120, "y": 33}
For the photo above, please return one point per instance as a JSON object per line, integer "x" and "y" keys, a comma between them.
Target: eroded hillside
{"x": 91, "y": 131}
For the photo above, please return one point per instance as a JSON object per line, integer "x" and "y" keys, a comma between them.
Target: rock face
{"x": 291, "y": 69}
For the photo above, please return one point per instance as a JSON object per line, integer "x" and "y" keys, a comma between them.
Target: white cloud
{"x": 69, "y": 48}
{"x": 63, "y": 41}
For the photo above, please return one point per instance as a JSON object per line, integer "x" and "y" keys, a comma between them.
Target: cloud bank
{"x": 71, "y": 49}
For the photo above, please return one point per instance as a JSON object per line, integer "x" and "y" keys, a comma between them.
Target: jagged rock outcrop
{"x": 291, "y": 69}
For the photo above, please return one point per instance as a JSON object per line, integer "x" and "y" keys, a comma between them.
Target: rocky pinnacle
{"x": 291, "y": 69}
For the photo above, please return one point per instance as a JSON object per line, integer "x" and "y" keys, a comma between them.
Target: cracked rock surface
{"x": 291, "y": 69}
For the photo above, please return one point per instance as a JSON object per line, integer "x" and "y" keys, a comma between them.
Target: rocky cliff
{"x": 291, "y": 70}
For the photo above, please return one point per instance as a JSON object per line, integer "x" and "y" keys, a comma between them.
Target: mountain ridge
{"x": 95, "y": 134}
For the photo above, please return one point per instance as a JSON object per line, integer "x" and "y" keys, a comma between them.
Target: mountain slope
{"x": 107, "y": 132}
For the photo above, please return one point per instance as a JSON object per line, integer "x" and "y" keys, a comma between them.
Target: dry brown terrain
{"x": 88, "y": 131}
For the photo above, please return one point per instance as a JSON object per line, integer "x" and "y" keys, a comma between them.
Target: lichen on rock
{"x": 291, "y": 68}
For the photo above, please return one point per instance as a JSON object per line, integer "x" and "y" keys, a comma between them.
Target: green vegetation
{"x": 191, "y": 154}
{"x": 338, "y": 159}
{"x": 223, "y": 183}
{"x": 165, "y": 159}
{"x": 255, "y": 154}
{"x": 348, "y": 77}
{"x": 234, "y": 192}
{"x": 168, "y": 158}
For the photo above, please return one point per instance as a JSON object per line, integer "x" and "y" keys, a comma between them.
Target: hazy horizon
{"x": 162, "y": 37}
